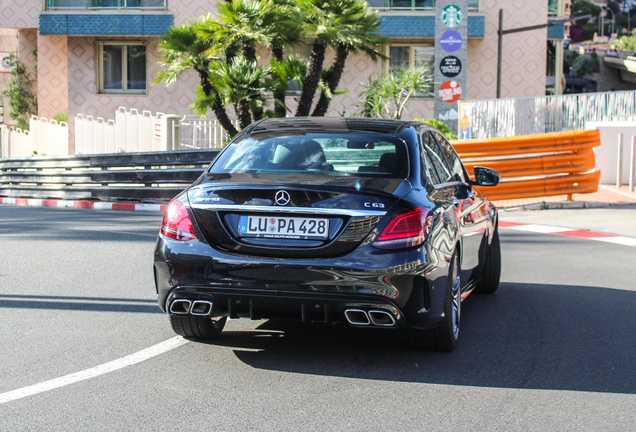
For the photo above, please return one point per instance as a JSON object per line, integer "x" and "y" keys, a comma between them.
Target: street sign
{"x": 450, "y": 91}
{"x": 450, "y": 66}
{"x": 451, "y": 33}
{"x": 451, "y": 15}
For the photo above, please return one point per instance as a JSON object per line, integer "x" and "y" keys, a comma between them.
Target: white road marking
{"x": 93, "y": 372}
{"x": 545, "y": 229}
{"x": 627, "y": 241}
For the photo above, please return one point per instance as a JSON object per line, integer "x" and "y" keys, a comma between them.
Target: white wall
{"x": 607, "y": 153}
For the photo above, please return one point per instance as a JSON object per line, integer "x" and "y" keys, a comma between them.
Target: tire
{"x": 444, "y": 336}
{"x": 197, "y": 328}
{"x": 492, "y": 267}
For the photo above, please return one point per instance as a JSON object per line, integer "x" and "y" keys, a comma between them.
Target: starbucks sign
{"x": 451, "y": 16}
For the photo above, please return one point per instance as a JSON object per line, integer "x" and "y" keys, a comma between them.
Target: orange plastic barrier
{"x": 565, "y": 166}
{"x": 526, "y": 144}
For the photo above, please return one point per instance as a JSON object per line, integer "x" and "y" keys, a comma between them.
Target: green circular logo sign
{"x": 451, "y": 16}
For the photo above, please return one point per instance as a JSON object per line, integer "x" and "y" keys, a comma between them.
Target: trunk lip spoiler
{"x": 281, "y": 209}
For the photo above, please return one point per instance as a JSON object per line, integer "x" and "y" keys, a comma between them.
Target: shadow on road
{"x": 525, "y": 336}
{"x": 69, "y": 303}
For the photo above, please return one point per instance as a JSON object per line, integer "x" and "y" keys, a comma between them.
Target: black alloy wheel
{"x": 444, "y": 336}
{"x": 197, "y": 327}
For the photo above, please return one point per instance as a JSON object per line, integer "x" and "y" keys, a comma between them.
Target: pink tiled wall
{"x": 52, "y": 76}
{"x": 8, "y": 43}
{"x": 82, "y": 87}
{"x": 524, "y": 54}
{"x": 27, "y": 40}
{"x": 185, "y": 10}
{"x": 19, "y": 14}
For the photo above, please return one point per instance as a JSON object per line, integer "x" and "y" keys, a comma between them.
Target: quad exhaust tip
{"x": 376, "y": 317}
{"x": 196, "y": 307}
{"x": 201, "y": 308}
{"x": 357, "y": 317}
{"x": 381, "y": 318}
{"x": 180, "y": 307}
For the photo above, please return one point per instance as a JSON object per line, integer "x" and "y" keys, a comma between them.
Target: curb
{"x": 83, "y": 204}
{"x": 569, "y": 232}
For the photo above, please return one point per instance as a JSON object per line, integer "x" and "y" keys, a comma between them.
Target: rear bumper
{"x": 410, "y": 285}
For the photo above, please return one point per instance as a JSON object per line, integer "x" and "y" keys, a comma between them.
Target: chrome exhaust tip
{"x": 180, "y": 307}
{"x": 382, "y": 318}
{"x": 357, "y": 317}
{"x": 201, "y": 308}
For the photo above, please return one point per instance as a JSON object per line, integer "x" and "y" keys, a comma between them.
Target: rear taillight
{"x": 176, "y": 222}
{"x": 407, "y": 229}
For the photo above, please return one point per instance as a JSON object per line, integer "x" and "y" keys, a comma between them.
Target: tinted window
{"x": 427, "y": 161}
{"x": 454, "y": 164}
{"x": 325, "y": 154}
{"x": 437, "y": 165}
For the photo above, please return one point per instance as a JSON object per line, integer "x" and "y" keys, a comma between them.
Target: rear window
{"x": 342, "y": 154}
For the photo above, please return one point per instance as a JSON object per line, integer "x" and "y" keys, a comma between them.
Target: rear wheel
{"x": 196, "y": 327}
{"x": 444, "y": 336}
{"x": 492, "y": 267}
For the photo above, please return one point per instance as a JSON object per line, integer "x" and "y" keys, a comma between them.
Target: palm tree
{"x": 386, "y": 97}
{"x": 183, "y": 50}
{"x": 347, "y": 26}
{"x": 359, "y": 34}
{"x": 284, "y": 28}
{"x": 242, "y": 82}
{"x": 250, "y": 23}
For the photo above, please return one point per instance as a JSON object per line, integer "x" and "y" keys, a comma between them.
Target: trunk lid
{"x": 239, "y": 213}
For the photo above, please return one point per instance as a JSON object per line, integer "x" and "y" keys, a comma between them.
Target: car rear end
{"x": 312, "y": 226}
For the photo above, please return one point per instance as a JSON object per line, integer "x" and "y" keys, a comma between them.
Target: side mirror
{"x": 486, "y": 176}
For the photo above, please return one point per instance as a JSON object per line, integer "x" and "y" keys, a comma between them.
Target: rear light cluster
{"x": 407, "y": 229}
{"x": 176, "y": 222}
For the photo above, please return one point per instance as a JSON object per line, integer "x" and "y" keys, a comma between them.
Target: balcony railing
{"x": 111, "y": 5}
{"x": 413, "y": 5}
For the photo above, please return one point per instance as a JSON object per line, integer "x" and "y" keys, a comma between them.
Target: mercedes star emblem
{"x": 282, "y": 197}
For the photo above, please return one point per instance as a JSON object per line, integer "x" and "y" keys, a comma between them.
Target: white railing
{"x": 44, "y": 138}
{"x": 202, "y": 133}
{"x": 524, "y": 116}
{"x": 130, "y": 131}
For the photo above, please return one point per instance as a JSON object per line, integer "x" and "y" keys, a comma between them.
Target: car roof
{"x": 324, "y": 124}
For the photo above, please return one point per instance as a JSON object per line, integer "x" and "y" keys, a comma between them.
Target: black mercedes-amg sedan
{"x": 370, "y": 223}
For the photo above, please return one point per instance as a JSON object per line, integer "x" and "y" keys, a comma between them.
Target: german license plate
{"x": 283, "y": 227}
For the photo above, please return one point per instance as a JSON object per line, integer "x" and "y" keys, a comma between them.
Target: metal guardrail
{"x": 536, "y": 165}
{"x": 530, "y": 166}
{"x": 142, "y": 177}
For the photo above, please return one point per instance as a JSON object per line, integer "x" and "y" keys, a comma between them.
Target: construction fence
{"x": 526, "y": 116}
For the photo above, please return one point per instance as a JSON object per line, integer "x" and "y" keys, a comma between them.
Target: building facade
{"x": 97, "y": 55}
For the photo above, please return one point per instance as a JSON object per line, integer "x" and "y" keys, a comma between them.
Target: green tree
{"x": 386, "y": 97}
{"x": 342, "y": 25}
{"x": 22, "y": 93}
{"x": 242, "y": 83}
{"x": 182, "y": 50}
{"x": 247, "y": 24}
{"x": 626, "y": 43}
{"x": 584, "y": 7}
{"x": 359, "y": 34}
{"x": 585, "y": 65}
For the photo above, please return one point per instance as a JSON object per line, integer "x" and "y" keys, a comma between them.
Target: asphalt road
{"x": 553, "y": 349}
